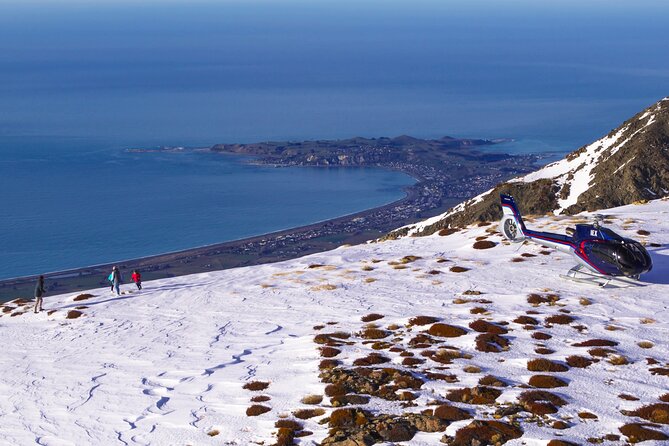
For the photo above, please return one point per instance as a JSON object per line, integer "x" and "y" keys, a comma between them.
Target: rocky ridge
{"x": 630, "y": 164}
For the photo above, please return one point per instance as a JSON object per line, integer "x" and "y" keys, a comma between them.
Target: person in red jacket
{"x": 137, "y": 278}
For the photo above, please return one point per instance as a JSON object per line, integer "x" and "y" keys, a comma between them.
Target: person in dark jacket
{"x": 137, "y": 278}
{"x": 116, "y": 280}
{"x": 39, "y": 293}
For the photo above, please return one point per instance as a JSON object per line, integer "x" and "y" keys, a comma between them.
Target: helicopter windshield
{"x": 608, "y": 234}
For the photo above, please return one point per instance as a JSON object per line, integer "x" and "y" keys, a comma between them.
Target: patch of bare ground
{"x": 448, "y": 231}
{"x": 371, "y": 359}
{"x": 484, "y": 244}
{"x": 526, "y": 320}
{"x": 545, "y": 365}
{"x": 491, "y": 343}
{"x": 73, "y": 314}
{"x": 540, "y": 402}
{"x": 656, "y": 413}
{"x": 372, "y": 317}
{"x": 450, "y": 413}
{"x": 446, "y": 331}
{"x": 493, "y": 381}
{"x": 305, "y": 414}
{"x": 458, "y": 269}
{"x": 596, "y": 343}
{"x": 579, "y": 361}
{"x": 474, "y": 395}
{"x": 423, "y": 320}
{"x": 484, "y": 432}
{"x": 538, "y": 299}
{"x": 257, "y": 409}
{"x": 487, "y": 327}
{"x": 84, "y": 296}
{"x": 256, "y": 386}
{"x": 374, "y": 333}
{"x": 638, "y": 432}
{"x": 560, "y": 319}
{"x": 547, "y": 381}
{"x": 329, "y": 352}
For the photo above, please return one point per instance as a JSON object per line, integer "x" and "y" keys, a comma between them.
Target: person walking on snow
{"x": 116, "y": 280}
{"x": 137, "y": 278}
{"x": 39, "y": 293}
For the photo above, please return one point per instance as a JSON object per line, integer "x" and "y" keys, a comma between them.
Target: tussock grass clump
{"x": 618, "y": 360}
{"x": 260, "y": 399}
{"x": 665, "y": 398}
{"x": 447, "y": 412}
{"x": 537, "y": 299}
{"x": 257, "y": 409}
{"x": 584, "y": 415}
{"x": 84, "y": 296}
{"x": 471, "y": 293}
{"x": 560, "y": 319}
{"x": 474, "y": 395}
{"x": 596, "y": 343}
{"x": 643, "y": 232}
{"x": 409, "y": 259}
{"x": 329, "y": 352}
{"x": 487, "y": 327}
{"x": 478, "y": 310}
{"x": 256, "y": 386}
{"x": 627, "y": 397}
{"x": 545, "y": 365}
{"x": 305, "y": 414}
{"x": 324, "y": 287}
{"x": 561, "y": 443}
{"x": 371, "y": 359}
{"x": 423, "y": 320}
{"x": 312, "y": 399}
{"x": 331, "y": 338}
{"x": 372, "y": 317}
{"x": 541, "y": 336}
{"x": 374, "y": 333}
{"x": 657, "y": 413}
{"x": 73, "y": 314}
{"x": 546, "y": 381}
{"x": 484, "y": 244}
{"x": 493, "y": 381}
{"x": 471, "y": 369}
{"x": 540, "y": 402}
{"x": 647, "y": 320}
{"x": 448, "y": 231}
{"x": 638, "y": 432}
{"x": 585, "y": 301}
{"x": 446, "y": 331}
{"x": 579, "y": 361}
{"x": 411, "y": 361}
{"x": 543, "y": 351}
{"x": 486, "y": 432}
{"x": 458, "y": 269}
{"x": 528, "y": 255}
{"x": 526, "y": 320}
{"x": 213, "y": 432}
{"x": 289, "y": 424}
{"x": 370, "y": 280}
{"x": 491, "y": 343}
{"x": 367, "y": 268}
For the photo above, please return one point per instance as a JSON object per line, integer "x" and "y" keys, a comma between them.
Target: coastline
{"x": 217, "y": 256}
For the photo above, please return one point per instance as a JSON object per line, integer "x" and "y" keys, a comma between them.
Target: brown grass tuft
{"x": 371, "y": 317}
{"x": 257, "y": 409}
{"x": 213, "y": 432}
{"x": 84, "y": 296}
{"x": 305, "y": 414}
{"x": 260, "y": 399}
{"x": 585, "y": 301}
{"x": 645, "y": 344}
{"x": 256, "y": 386}
{"x": 545, "y": 365}
{"x": 638, "y": 432}
{"x": 374, "y": 333}
{"x": 446, "y": 331}
{"x": 560, "y": 319}
{"x": 423, "y": 320}
{"x": 596, "y": 343}
{"x": 484, "y": 244}
{"x": 579, "y": 361}
{"x": 73, "y": 314}
{"x": 458, "y": 269}
{"x": 546, "y": 381}
{"x": 329, "y": 352}
{"x": 487, "y": 327}
{"x": 656, "y": 413}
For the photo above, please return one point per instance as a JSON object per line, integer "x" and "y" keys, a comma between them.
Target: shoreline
{"x": 192, "y": 260}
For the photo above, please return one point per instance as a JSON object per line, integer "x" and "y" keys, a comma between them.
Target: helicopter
{"x": 602, "y": 255}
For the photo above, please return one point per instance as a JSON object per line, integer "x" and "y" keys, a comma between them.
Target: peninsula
{"x": 447, "y": 171}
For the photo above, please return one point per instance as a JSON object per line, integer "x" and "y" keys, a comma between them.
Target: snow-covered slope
{"x": 168, "y": 365}
{"x": 629, "y": 164}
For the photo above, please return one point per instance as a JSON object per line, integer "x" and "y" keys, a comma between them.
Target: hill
{"x": 425, "y": 339}
{"x": 629, "y": 164}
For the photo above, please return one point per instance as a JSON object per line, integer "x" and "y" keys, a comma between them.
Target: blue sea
{"x": 81, "y": 81}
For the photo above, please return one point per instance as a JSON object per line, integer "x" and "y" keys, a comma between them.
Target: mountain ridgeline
{"x": 628, "y": 165}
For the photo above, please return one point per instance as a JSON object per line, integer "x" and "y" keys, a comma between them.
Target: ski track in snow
{"x": 167, "y": 365}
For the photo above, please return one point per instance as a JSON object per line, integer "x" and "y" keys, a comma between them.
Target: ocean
{"x": 82, "y": 81}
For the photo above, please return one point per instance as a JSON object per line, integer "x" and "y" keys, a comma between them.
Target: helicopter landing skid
{"x": 577, "y": 274}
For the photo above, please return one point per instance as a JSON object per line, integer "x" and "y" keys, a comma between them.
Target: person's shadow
{"x": 660, "y": 272}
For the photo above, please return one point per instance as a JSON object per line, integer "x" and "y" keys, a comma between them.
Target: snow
{"x": 167, "y": 365}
